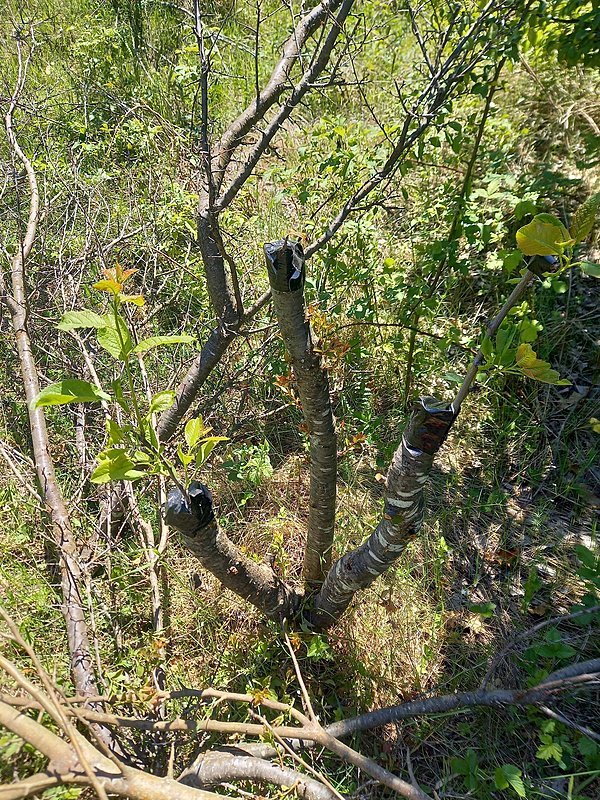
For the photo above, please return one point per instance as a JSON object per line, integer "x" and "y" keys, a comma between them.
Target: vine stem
{"x": 514, "y": 297}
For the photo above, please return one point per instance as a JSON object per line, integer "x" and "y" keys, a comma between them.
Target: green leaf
{"x": 533, "y": 34}
{"x": 512, "y": 260}
{"x": 559, "y": 287}
{"x": 194, "y": 430}
{"x": 453, "y": 377}
{"x": 116, "y": 433}
{"x": 535, "y": 368}
{"x": 116, "y": 340}
{"x": 158, "y": 341}
{"x": 136, "y": 299}
{"x": 142, "y": 458}
{"x": 149, "y": 432}
{"x": 71, "y": 390}
{"x": 523, "y": 208}
{"x": 487, "y": 347}
{"x": 318, "y": 648}
{"x": 588, "y": 268}
{"x": 161, "y": 401}
{"x": 108, "y": 285}
{"x": 485, "y": 609}
{"x": 117, "y": 388}
{"x": 185, "y": 458}
{"x": 529, "y": 329}
{"x": 504, "y": 338}
{"x": 206, "y": 447}
{"x": 543, "y": 236}
{"x": 549, "y": 749}
{"x": 81, "y": 319}
{"x": 587, "y": 747}
{"x": 115, "y": 465}
{"x": 584, "y": 218}
{"x": 469, "y": 768}
{"x": 509, "y": 776}
{"x": 586, "y": 556}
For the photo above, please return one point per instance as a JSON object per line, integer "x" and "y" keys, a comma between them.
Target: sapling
{"x": 133, "y": 449}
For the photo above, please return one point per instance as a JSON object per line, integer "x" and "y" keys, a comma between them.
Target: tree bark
{"x": 228, "y": 315}
{"x": 285, "y": 266}
{"x": 256, "y": 583}
{"x": 402, "y": 513}
{"x": 224, "y": 296}
{"x": 187, "y": 391}
{"x": 213, "y": 768}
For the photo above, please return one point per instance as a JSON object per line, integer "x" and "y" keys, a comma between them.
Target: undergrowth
{"x": 511, "y": 531}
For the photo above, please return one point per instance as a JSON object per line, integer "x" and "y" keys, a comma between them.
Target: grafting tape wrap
{"x": 429, "y": 425}
{"x": 189, "y": 518}
{"x": 541, "y": 265}
{"x": 285, "y": 262}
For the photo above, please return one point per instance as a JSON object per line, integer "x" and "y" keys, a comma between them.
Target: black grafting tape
{"x": 189, "y": 518}
{"x": 285, "y": 265}
{"x": 429, "y": 425}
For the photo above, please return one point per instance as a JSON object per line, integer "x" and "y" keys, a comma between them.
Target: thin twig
{"x": 501, "y": 655}
{"x": 305, "y": 696}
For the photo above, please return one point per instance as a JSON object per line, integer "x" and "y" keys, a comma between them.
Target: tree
{"x": 323, "y": 51}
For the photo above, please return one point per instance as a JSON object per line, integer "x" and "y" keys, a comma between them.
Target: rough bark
{"x": 285, "y": 265}
{"x": 201, "y": 534}
{"x": 402, "y": 514}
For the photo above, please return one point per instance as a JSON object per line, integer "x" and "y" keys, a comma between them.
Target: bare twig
{"x": 528, "y": 634}
{"x": 305, "y": 695}
{"x": 514, "y": 297}
{"x": 81, "y": 660}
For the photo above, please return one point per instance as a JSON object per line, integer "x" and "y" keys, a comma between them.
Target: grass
{"x": 514, "y": 490}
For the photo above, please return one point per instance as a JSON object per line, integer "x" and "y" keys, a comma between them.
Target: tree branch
{"x": 211, "y": 354}
{"x": 556, "y": 682}
{"x": 285, "y": 266}
{"x": 276, "y": 85}
{"x": 213, "y": 768}
{"x": 514, "y": 297}
{"x": 77, "y": 634}
{"x": 275, "y": 125}
{"x": 402, "y": 515}
{"x": 256, "y": 583}
{"x": 439, "y": 90}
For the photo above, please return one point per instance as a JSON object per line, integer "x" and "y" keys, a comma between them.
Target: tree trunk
{"x": 285, "y": 264}
{"x": 402, "y": 513}
{"x": 82, "y": 669}
{"x": 256, "y": 583}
